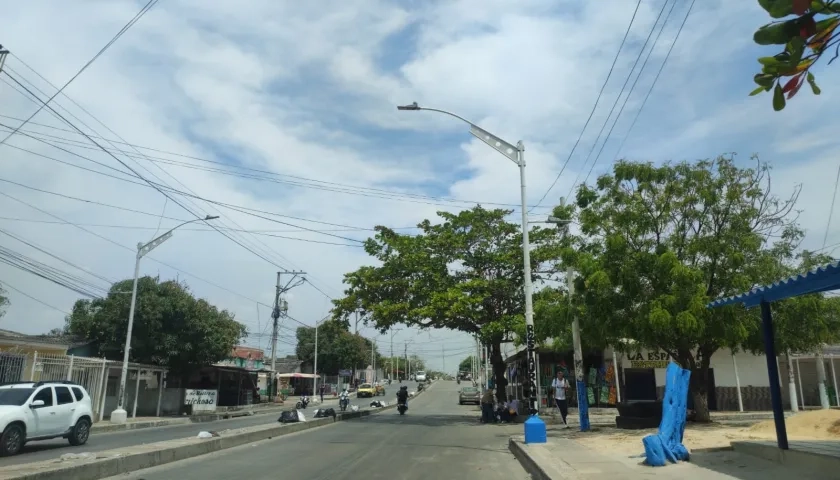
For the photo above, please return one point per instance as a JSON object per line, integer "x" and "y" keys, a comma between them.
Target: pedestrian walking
{"x": 322, "y": 389}
{"x": 560, "y": 386}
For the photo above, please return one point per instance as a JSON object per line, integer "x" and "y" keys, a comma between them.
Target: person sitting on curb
{"x": 510, "y": 410}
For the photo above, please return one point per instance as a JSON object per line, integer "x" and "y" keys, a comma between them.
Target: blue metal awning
{"x": 820, "y": 279}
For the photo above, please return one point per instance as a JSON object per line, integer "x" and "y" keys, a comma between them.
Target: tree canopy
{"x": 171, "y": 326}
{"x": 657, "y": 243}
{"x": 4, "y": 301}
{"x": 337, "y": 348}
{"x": 806, "y": 29}
{"x": 467, "y": 364}
{"x": 464, "y": 273}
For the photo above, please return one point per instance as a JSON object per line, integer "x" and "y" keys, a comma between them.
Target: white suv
{"x": 420, "y": 377}
{"x": 42, "y": 411}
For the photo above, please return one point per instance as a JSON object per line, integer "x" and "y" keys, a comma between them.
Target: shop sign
{"x": 652, "y": 359}
{"x": 345, "y": 373}
{"x": 201, "y": 400}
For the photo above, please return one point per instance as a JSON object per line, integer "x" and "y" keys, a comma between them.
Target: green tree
{"x": 4, "y": 301}
{"x": 463, "y": 274}
{"x": 467, "y": 364}
{"x": 806, "y": 29}
{"x": 171, "y": 326}
{"x": 337, "y": 348}
{"x": 658, "y": 243}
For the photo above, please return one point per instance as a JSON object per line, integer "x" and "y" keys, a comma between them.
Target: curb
{"x": 106, "y": 427}
{"x": 160, "y": 453}
{"x": 527, "y": 462}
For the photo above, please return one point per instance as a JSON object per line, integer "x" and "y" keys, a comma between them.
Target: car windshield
{"x": 470, "y": 390}
{"x": 365, "y": 385}
{"x": 15, "y": 396}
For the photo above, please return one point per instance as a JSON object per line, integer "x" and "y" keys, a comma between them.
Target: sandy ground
{"x": 811, "y": 425}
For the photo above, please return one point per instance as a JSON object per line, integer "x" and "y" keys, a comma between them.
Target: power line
{"x": 161, "y": 191}
{"x": 618, "y": 97}
{"x": 8, "y": 285}
{"x": 632, "y": 88}
{"x": 598, "y": 99}
{"x": 116, "y": 37}
{"x": 49, "y": 273}
{"x": 179, "y": 192}
{"x": 655, "y": 79}
{"x": 263, "y": 175}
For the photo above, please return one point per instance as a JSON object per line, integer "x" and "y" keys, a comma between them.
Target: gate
{"x": 11, "y": 366}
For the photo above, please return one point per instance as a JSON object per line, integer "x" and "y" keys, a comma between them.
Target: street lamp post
{"x": 516, "y": 154}
{"x": 120, "y": 415}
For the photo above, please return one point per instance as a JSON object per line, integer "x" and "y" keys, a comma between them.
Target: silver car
{"x": 469, "y": 395}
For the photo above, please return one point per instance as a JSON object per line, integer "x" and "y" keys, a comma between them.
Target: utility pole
{"x": 443, "y": 359}
{"x": 393, "y": 332}
{"x": 280, "y": 309}
{"x": 582, "y": 397}
{"x": 407, "y": 366}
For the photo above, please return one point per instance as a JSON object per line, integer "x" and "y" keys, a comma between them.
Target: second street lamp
{"x": 534, "y": 427}
{"x": 120, "y": 415}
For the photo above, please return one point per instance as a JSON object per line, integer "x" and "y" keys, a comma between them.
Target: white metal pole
{"x": 136, "y": 394}
{"x": 106, "y": 375}
{"x": 834, "y": 378}
{"x": 120, "y": 415}
{"x": 617, "y": 378}
{"x": 160, "y": 390}
{"x": 315, "y": 366}
{"x": 820, "y": 361}
{"x": 70, "y": 369}
{"x": 794, "y": 403}
{"x": 737, "y": 384}
{"x": 799, "y": 380}
{"x": 530, "y": 335}
{"x": 35, "y": 362}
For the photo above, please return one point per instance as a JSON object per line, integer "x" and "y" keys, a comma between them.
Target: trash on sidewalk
{"x": 354, "y": 408}
{"x": 206, "y": 434}
{"x": 378, "y": 404}
{"x": 77, "y": 456}
{"x": 325, "y": 412}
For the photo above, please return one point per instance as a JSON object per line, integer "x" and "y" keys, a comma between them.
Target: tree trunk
{"x": 499, "y": 369}
{"x": 699, "y": 392}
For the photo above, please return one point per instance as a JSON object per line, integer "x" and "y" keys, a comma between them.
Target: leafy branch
{"x": 806, "y": 37}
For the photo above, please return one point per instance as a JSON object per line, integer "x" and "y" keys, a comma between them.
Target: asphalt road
{"x": 436, "y": 439}
{"x": 52, "y": 449}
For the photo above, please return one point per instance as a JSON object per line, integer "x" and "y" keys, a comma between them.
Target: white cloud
{"x": 310, "y": 90}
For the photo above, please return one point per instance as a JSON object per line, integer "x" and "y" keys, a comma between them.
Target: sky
{"x": 283, "y": 115}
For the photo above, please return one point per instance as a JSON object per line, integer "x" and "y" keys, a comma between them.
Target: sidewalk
{"x": 566, "y": 459}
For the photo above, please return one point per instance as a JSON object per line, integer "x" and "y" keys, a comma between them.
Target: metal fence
{"x": 91, "y": 373}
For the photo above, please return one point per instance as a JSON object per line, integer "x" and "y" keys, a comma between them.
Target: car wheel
{"x": 12, "y": 440}
{"x": 80, "y": 433}
{"x": 460, "y": 402}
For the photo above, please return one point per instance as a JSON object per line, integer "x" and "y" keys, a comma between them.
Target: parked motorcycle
{"x": 302, "y": 403}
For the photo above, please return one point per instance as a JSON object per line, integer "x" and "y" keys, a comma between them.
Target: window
{"x": 78, "y": 393}
{"x": 46, "y": 395}
{"x": 15, "y": 396}
{"x": 62, "y": 395}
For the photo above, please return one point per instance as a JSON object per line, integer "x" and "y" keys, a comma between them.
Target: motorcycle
{"x": 419, "y": 387}
{"x": 302, "y": 403}
{"x": 459, "y": 381}
{"x": 343, "y": 403}
{"x": 402, "y": 407}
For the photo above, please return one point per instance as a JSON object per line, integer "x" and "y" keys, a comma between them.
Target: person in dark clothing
{"x": 402, "y": 395}
{"x": 322, "y": 389}
{"x": 488, "y": 400}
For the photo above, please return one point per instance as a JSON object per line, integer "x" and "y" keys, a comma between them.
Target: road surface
{"x": 436, "y": 439}
{"x": 52, "y": 449}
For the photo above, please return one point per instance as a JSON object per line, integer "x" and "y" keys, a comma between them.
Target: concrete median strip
{"x": 130, "y": 459}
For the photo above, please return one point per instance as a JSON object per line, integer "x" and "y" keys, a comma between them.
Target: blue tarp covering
{"x": 667, "y": 444}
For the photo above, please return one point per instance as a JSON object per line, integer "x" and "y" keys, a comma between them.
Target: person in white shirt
{"x": 560, "y": 385}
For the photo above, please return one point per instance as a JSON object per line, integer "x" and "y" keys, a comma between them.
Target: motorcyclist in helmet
{"x": 402, "y": 395}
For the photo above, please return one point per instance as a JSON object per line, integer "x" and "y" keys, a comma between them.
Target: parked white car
{"x": 43, "y": 411}
{"x": 420, "y": 377}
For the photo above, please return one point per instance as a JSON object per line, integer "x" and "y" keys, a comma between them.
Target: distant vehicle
{"x": 380, "y": 388}
{"x": 469, "y": 395}
{"x": 420, "y": 376}
{"x": 31, "y": 411}
{"x": 365, "y": 390}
